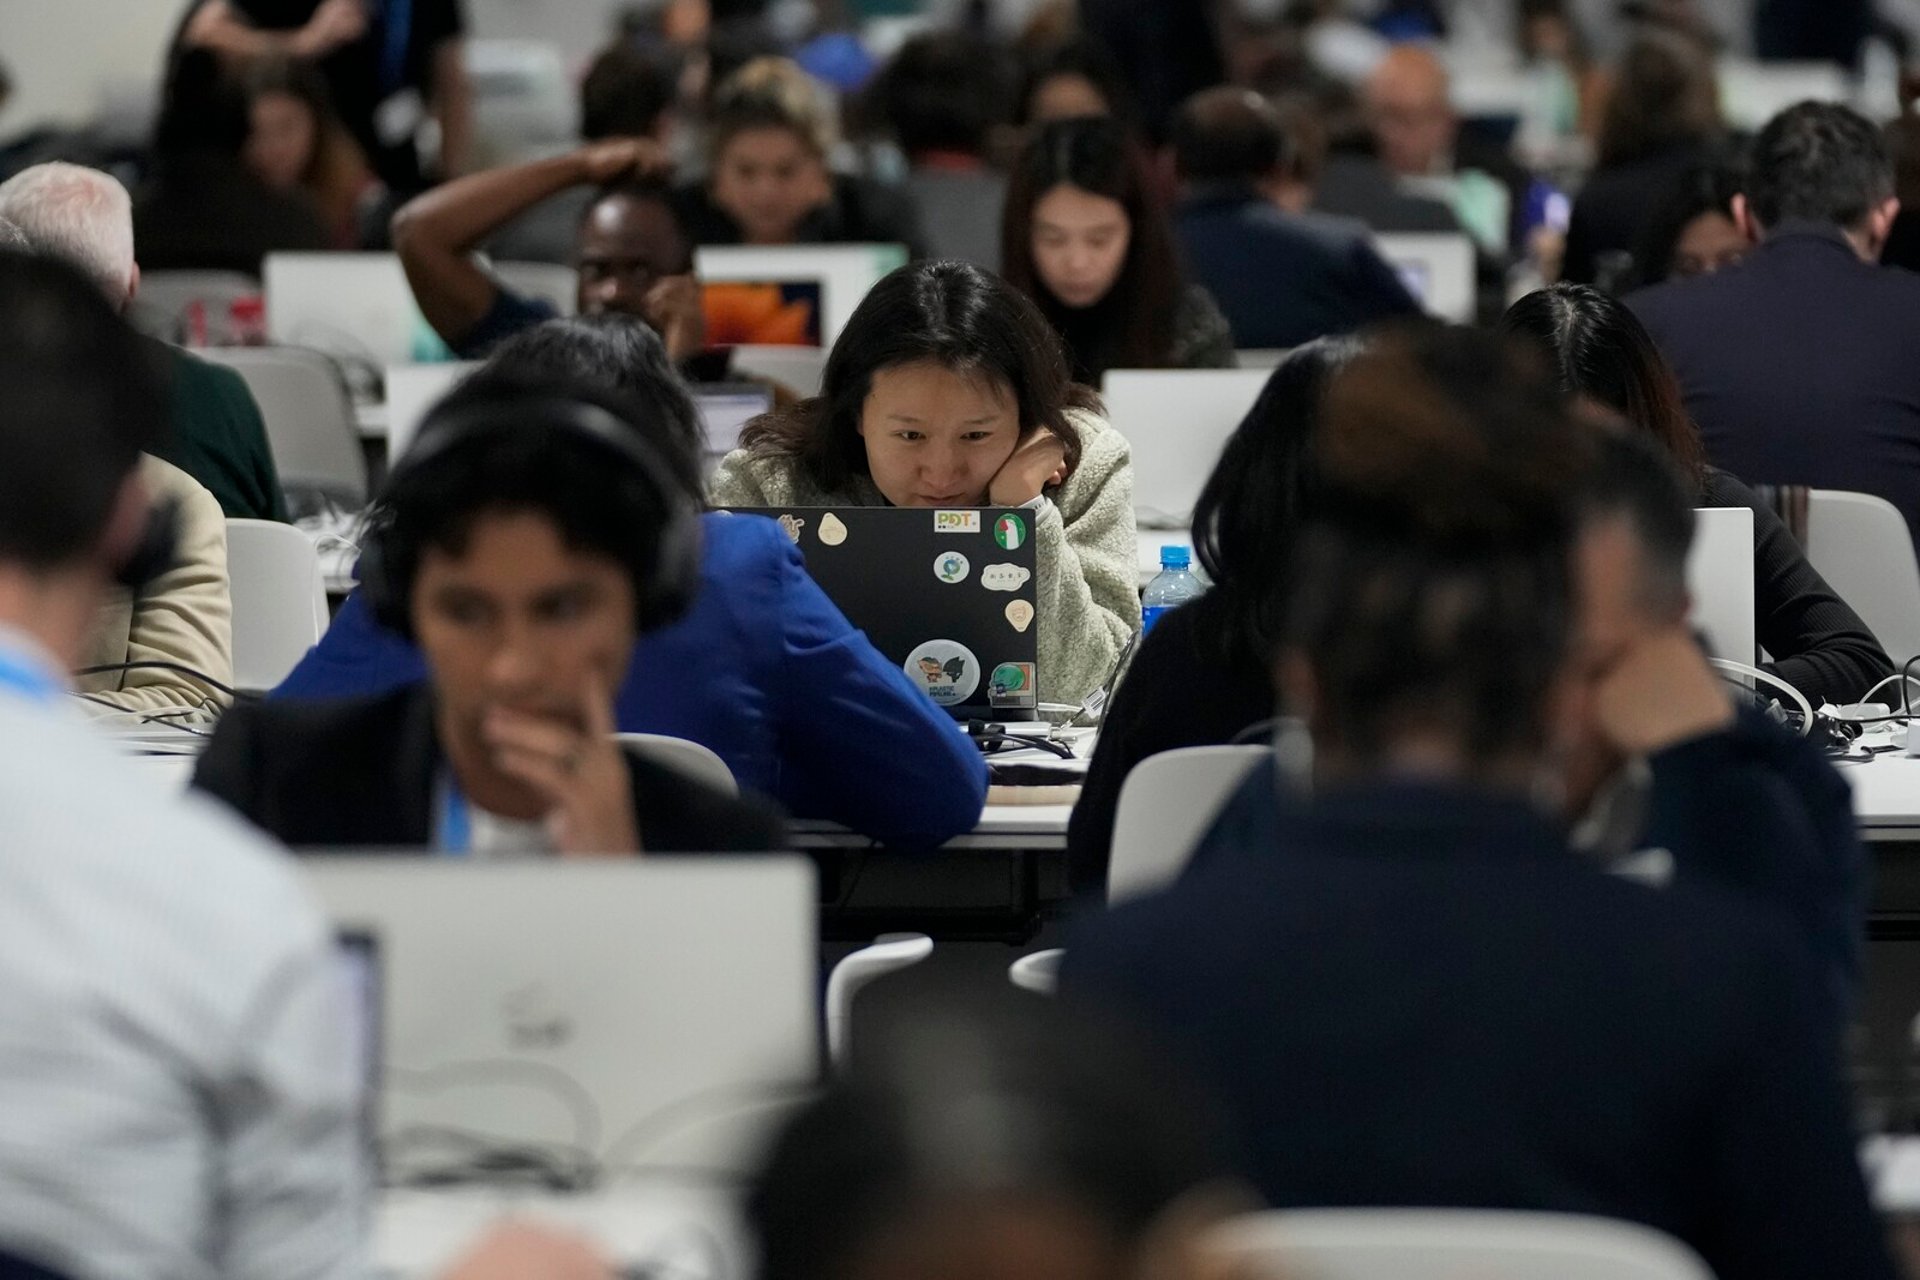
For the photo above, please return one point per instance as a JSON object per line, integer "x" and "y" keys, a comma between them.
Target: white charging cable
{"x": 1765, "y": 677}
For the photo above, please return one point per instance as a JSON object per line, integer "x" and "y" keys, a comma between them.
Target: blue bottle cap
{"x": 1175, "y": 557}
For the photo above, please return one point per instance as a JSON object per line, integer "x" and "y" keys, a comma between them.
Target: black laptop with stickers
{"x": 947, "y": 594}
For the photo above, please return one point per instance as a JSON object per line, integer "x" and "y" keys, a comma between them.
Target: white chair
{"x": 1430, "y": 1244}
{"x": 1177, "y": 422}
{"x": 889, "y": 953}
{"x": 309, "y": 417}
{"x": 693, "y": 759}
{"x": 1861, "y": 545}
{"x": 1439, "y": 269}
{"x": 279, "y": 600}
{"x": 159, "y": 306}
{"x": 549, "y": 281}
{"x": 1166, "y": 804}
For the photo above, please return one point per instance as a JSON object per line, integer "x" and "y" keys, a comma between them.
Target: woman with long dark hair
{"x": 1602, "y": 353}
{"x": 947, "y": 389}
{"x": 1205, "y": 672}
{"x": 1084, "y": 238}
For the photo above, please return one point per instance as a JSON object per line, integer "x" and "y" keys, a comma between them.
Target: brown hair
{"x": 771, "y": 93}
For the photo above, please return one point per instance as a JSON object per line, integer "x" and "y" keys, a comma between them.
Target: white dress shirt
{"x": 177, "y": 1095}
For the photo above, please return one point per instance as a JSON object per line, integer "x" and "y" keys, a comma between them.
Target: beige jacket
{"x": 184, "y": 616}
{"x": 1089, "y": 595}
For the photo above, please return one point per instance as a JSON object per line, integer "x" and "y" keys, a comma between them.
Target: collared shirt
{"x": 180, "y": 1098}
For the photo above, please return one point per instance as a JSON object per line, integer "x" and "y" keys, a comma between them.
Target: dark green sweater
{"x": 219, "y": 439}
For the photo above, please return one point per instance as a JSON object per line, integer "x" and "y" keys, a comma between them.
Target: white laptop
{"x": 1177, "y": 422}
{"x": 355, "y": 306}
{"x": 413, "y": 389}
{"x": 656, "y": 1012}
{"x": 1720, "y": 578}
{"x": 725, "y": 408}
{"x": 843, "y": 272}
{"x": 1437, "y": 267}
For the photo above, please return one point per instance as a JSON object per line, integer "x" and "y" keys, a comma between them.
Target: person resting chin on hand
{"x": 524, "y": 542}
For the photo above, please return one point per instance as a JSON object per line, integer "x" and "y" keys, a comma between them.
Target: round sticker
{"x": 833, "y": 531}
{"x": 1011, "y": 680}
{"x": 946, "y": 669}
{"x": 951, "y": 567}
{"x": 1010, "y": 531}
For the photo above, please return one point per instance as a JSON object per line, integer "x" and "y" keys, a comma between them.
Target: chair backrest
{"x": 1447, "y": 1244}
{"x": 1166, "y": 804}
{"x": 1177, "y": 422}
{"x": 1861, "y": 545}
{"x": 279, "y": 600}
{"x": 159, "y": 307}
{"x": 309, "y": 418}
{"x": 1438, "y": 268}
{"x": 550, "y": 281}
{"x": 691, "y": 758}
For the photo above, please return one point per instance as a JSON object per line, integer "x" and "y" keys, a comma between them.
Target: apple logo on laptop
{"x": 535, "y": 1019}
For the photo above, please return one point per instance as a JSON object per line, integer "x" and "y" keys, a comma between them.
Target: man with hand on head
{"x": 634, "y": 256}
{"x": 525, "y": 540}
{"x": 182, "y": 1100}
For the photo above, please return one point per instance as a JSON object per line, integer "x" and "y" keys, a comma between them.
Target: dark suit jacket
{"x": 363, "y": 772}
{"x": 1417, "y": 995}
{"x": 1283, "y": 279}
{"x": 1800, "y": 365}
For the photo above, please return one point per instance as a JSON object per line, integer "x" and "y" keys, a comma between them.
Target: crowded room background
{"x": 823, "y": 639}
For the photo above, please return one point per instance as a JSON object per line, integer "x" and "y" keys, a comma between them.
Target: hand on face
{"x": 1038, "y": 464}
{"x": 1660, "y": 693}
{"x": 576, "y": 765}
{"x": 673, "y": 309}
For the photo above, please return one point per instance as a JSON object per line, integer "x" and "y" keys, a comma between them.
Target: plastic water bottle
{"x": 1172, "y": 587}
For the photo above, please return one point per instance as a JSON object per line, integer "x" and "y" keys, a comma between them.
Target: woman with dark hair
{"x": 1601, "y": 353}
{"x": 1663, "y": 118}
{"x": 947, "y": 389}
{"x": 297, "y": 143}
{"x": 1085, "y": 239}
{"x": 1692, "y": 231}
{"x": 1204, "y": 674}
{"x": 1072, "y": 81}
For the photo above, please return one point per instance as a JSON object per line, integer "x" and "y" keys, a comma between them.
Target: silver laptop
{"x": 1176, "y": 421}
{"x": 1720, "y": 579}
{"x": 842, "y": 273}
{"x": 352, "y": 306}
{"x": 653, "y": 1013}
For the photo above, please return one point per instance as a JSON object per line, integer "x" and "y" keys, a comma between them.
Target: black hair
{"x": 944, "y": 91}
{"x": 84, "y": 398}
{"x": 598, "y": 509}
{"x": 953, "y": 314}
{"x": 1818, "y": 162}
{"x": 1632, "y": 477}
{"x": 1132, "y": 327}
{"x": 1704, "y": 188}
{"x": 203, "y": 109}
{"x": 1229, "y": 135}
{"x": 617, "y": 355}
{"x": 1248, "y": 515}
{"x": 1598, "y": 349}
{"x": 1432, "y": 587}
{"x": 626, "y": 91}
{"x": 1081, "y": 57}
{"x": 1042, "y": 1107}
{"x": 1666, "y": 97}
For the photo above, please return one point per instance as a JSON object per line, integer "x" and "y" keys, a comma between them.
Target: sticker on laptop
{"x": 951, "y": 567}
{"x": 793, "y": 525}
{"x": 946, "y": 669}
{"x": 1011, "y": 685}
{"x": 956, "y": 522}
{"x": 1004, "y": 577}
{"x": 1020, "y": 615}
{"x": 1010, "y": 531}
{"x": 832, "y": 531}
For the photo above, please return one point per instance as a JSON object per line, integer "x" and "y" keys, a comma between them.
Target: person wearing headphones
{"x": 523, "y": 543}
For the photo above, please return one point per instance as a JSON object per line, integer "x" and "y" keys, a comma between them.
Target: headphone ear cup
{"x": 675, "y": 580}
{"x": 155, "y": 553}
{"x": 377, "y": 587}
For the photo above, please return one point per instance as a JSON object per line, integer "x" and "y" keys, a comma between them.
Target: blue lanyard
{"x": 453, "y": 834}
{"x": 398, "y": 20}
{"x": 25, "y": 676}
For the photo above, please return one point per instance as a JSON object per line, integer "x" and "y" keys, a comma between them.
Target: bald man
{"x": 1409, "y": 107}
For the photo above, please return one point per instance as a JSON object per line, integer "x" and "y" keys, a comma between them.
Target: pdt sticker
{"x": 951, "y": 567}
{"x": 956, "y": 522}
{"x": 1010, "y": 531}
{"x": 946, "y": 669}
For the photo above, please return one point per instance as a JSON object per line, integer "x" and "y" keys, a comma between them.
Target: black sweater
{"x": 1817, "y": 643}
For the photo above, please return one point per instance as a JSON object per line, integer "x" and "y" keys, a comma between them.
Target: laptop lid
{"x": 1720, "y": 579}
{"x": 635, "y": 1012}
{"x": 1437, "y": 267}
{"x": 726, "y": 407}
{"x": 353, "y": 306}
{"x": 839, "y": 275}
{"x": 948, "y": 595}
{"x": 1177, "y": 422}
{"x": 412, "y": 390}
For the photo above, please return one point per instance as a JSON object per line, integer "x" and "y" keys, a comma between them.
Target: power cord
{"x": 1766, "y": 677}
{"x": 156, "y": 664}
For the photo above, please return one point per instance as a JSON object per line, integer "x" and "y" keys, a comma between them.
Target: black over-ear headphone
{"x": 671, "y": 574}
{"x": 157, "y": 550}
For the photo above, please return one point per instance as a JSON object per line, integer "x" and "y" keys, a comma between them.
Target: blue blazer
{"x": 1410, "y": 994}
{"x": 766, "y": 672}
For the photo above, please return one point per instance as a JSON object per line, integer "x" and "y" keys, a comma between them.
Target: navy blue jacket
{"x": 1284, "y": 279}
{"x": 1430, "y": 1000}
{"x": 1799, "y": 365}
{"x": 766, "y": 672}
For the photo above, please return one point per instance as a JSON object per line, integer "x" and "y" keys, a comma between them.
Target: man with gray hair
{"x": 85, "y": 217}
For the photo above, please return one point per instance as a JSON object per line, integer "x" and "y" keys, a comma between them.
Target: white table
{"x": 1886, "y": 796}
